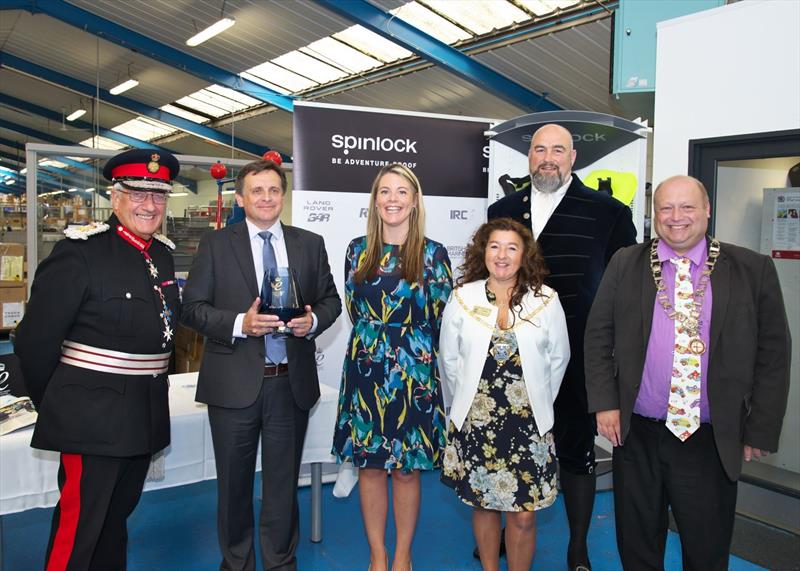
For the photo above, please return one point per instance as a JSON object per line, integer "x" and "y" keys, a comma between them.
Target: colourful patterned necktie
{"x": 683, "y": 412}
{"x": 274, "y": 346}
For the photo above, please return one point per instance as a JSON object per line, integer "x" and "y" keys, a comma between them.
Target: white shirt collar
{"x": 276, "y": 230}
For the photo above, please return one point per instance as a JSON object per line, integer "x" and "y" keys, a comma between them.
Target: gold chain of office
{"x": 690, "y": 322}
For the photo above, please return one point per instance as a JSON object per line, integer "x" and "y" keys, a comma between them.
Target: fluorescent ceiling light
{"x": 210, "y": 32}
{"x": 10, "y": 181}
{"x": 124, "y": 86}
{"x": 228, "y": 191}
{"x": 75, "y": 114}
{"x": 171, "y": 194}
{"x": 72, "y": 190}
{"x": 90, "y": 189}
{"x": 23, "y": 171}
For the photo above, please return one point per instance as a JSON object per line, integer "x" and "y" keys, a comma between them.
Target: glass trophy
{"x": 280, "y": 295}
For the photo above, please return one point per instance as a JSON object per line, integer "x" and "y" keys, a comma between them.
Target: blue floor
{"x": 175, "y": 530}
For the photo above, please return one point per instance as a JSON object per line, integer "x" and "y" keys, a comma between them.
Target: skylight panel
{"x": 201, "y": 104}
{"x": 309, "y": 67}
{"x": 264, "y": 82}
{"x": 100, "y": 142}
{"x": 53, "y": 163}
{"x": 371, "y": 43}
{"x": 243, "y": 100}
{"x": 341, "y": 55}
{"x": 480, "y": 16}
{"x": 281, "y": 76}
{"x": 143, "y": 129}
{"x": 542, "y": 7}
{"x": 184, "y": 113}
{"x": 429, "y": 22}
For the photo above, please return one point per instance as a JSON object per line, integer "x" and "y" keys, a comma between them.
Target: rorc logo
{"x": 348, "y": 142}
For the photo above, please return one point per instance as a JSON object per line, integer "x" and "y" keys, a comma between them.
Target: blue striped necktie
{"x": 274, "y": 346}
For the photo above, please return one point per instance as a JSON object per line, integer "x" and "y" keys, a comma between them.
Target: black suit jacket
{"x": 98, "y": 292}
{"x": 579, "y": 239}
{"x": 222, "y": 284}
{"x": 749, "y": 350}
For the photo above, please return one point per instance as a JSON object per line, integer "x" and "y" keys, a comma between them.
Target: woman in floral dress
{"x": 391, "y": 416}
{"x": 503, "y": 352}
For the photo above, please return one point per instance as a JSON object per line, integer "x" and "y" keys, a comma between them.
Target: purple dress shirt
{"x": 653, "y": 394}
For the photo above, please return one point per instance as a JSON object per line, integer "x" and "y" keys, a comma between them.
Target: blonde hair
{"x": 411, "y": 251}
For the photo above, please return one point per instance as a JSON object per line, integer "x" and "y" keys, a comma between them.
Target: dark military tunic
{"x": 100, "y": 292}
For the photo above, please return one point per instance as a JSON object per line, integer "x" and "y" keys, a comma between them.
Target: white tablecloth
{"x": 28, "y": 477}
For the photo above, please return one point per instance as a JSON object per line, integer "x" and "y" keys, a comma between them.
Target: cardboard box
{"x": 14, "y": 293}
{"x": 12, "y": 269}
{"x": 12, "y": 304}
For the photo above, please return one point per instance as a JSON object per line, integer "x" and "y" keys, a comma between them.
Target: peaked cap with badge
{"x": 143, "y": 169}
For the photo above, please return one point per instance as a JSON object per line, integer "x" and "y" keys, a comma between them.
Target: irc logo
{"x": 348, "y": 142}
{"x": 319, "y": 217}
{"x": 362, "y": 213}
{"x": 459, "y": 215}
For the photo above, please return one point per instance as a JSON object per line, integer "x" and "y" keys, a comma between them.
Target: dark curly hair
{"x": 531, "y": 273}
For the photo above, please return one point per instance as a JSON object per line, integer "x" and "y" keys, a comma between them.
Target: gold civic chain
{"x": 690, "y": 322}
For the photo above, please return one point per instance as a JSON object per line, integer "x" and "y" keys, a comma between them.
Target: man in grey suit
{"x": 256, "y": 385}
{"x": 687, "y": 353}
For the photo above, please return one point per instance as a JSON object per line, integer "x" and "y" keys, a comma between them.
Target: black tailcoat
{"x": 98, "y": 292}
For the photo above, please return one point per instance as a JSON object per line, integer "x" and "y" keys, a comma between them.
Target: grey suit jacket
{"x": 222, "y": 284}
{"x": 749, "y": 351}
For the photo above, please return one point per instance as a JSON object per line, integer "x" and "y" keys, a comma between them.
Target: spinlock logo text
{"x": 351, "y": 142}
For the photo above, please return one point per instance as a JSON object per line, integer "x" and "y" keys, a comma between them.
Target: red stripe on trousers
{"x": 70, "y": 511}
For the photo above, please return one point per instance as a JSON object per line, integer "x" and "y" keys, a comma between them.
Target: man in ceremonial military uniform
{"x": 94, "y": 347}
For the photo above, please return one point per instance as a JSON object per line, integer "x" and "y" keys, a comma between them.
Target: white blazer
{"x": 467, "y": 326}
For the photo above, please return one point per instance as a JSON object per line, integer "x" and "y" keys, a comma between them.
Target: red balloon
{"x": 273, "y": 156}
{"x": 218, "y": 170}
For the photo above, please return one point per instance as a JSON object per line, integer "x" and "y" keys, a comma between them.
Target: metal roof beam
{"x": 140, "y": 43}
{"x": 56, "y": 116}
{"x": 66, "y": 160}
{"x": 126, "y": 104}
{"x": 188, "y": 183}
{"x": 447, "y": 57}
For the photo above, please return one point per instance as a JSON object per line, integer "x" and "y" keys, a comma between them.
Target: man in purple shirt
{"x": 687, "y": 353}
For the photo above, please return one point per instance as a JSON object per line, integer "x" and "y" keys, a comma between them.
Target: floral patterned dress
{"x": 498, "y": 460}
{"x": 391, "y": 414}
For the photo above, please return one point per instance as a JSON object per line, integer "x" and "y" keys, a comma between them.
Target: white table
{"x": 29, "y": 478}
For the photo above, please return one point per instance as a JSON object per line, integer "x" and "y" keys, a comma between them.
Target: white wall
{"x": 727, "y": 71}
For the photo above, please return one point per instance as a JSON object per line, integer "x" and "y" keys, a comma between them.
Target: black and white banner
{"x": 338, "y": 151}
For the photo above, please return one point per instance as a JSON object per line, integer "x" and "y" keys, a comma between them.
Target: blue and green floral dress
{"x": 391, "y": 414}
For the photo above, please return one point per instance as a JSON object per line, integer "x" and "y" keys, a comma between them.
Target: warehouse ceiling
{"x": 232, "y": 95}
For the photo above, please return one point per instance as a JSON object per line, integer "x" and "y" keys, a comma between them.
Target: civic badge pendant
{"x": 697, "y": 346}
